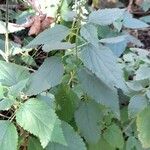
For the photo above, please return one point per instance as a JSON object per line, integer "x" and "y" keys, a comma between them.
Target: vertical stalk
{"x": 7, "y": 34}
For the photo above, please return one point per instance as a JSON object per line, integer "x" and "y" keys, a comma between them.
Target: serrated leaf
{"x": 8, "y": 136}
{"x": 57, "y": 46}
{"x": 39, "y": 119}
{"x": 51, "y": 35}
{"x": 74, "y": 141}
{"x": 136, "y": 105}
{"x": 133, "y": 23}
{"x": 114, "y": 137}
{"x": 106, "y": 16}
{"x": 99, "y": 91}
{"x": 48, "y": 75}
{"x": 143, "y": 124}
{"x": 87, "y": 118}
{"x": 11, "y": 28}
{"x": 103, "y": 63}
{"x": 67, "y": 101}
{"x": 11, "y": 74}
{"x": 89, "y": 32}
{"x": 34, "y": 144}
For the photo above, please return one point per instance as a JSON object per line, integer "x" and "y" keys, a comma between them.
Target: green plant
{"x": 88, "y": 91}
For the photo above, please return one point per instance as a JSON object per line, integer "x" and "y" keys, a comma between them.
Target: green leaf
{"x": 132, "y": 143}
{"x": 17, "y": 89}
{"x": 51, "y": 35}
{"x": 48, "y": 75}
{"x": 8, "y": 136}
{"x": 39, "y": 119}
{"x": 57, "y": 46}
{"x": 136, "y": 105}
{"x": 100, "y": 92}
{"x": 101, "y": 145}
{"x": 11, "y": 28}
{"x": 67, "y": 101}
{"x": 143, "y": 124}
{"x": 130, "y": 22}
{"x": 74, "y": 141}
{"x": 106, "y": 16}
{"x": 103, "y": 63}
{"x": 114, "y": 137}
{"x": 89, "y": 32}
{"x": 11, "y": 74}
{"x": 1, "y": 92}
{"x": 34, "y": 144}
{"x": 88, "y": 117}
{"x": 6, "y": 103}
{"x": 143, "y": 73}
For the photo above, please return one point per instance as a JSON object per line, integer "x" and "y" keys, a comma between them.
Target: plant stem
{"x": 7, "y": 34}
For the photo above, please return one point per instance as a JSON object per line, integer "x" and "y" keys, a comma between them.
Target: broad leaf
{"x": 67, "y": 101}
{"x": 57, "y": 46}
{"x": 51, "y": 35}
{"x": 130, "y": 22}
{"x": 136, "y": 105}
{"x": 48, "y": 75}
{"x": 101, "y": 145}
{"x": 87, "y": 118}
{"x": 143, "y": 73}
{"x": 114, "y": 137}
{"x": 100, "y": 92}
{"x": 74, "y": 141}
{"x": 106, "y": 16}
{"x": 8, "y": 136}
{"x": 143, "y": 124}
{"x": 34, "y": 144}
{"x": 103, "y": 63}
{"x": 39, "y": 119}
{"x": 6, "y": 103}
{"x": 11, "y": 74}
{"x": 89, "y": 32}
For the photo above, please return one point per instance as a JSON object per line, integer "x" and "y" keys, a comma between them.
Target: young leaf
{"x": 11, "y": 74}
{"x": 103, "y": 63}
{"x": 39, "y": 119}
{"x": 106, "y": 16}
{"x": 143, "y": 124}
{"x": 136, "y": 105}
{"x": 87, "y": 118}
{"x": 74, "y": 141}
{"x": 67, "y": 102}
{"x": 8, "y": 136}
{"x": 47, "y": 76}
{"x": 99, "y": 91}
{"x": 114, "y": 137}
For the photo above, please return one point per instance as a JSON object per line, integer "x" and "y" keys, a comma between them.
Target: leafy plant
{"x": 77, "y": 84}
